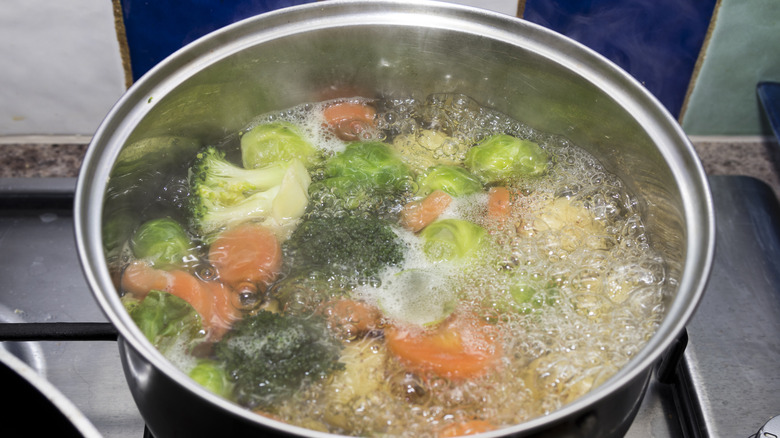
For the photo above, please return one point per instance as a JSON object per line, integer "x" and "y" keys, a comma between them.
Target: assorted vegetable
{"x": 418, "y": 214}
{"x": 367, "y": 178}
{"x": 276, "y": 142}
{"x": 248, "y": 254}
{"x": 501, "y": 157}
{"x": 224, "y": 194}
{"x": 394, "y": 267}
{"x": 355, "y": 248}
{"x": 163, "y": 243}
{"x": 269, "y": 356}
{"x": 450, "y": 179}
{"x": 452, "y": 239}
{"x": 350, "y": 120}
{"x": 459, "y": 348}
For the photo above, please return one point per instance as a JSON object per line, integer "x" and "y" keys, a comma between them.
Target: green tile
{"x": 744, "y": 49}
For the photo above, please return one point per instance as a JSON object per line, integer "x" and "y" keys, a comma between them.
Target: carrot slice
{"x": 417, "y": 215}
{"x": 211, "y": 299}
{"x": 352, "y": 318}
{"x": 471, "y": 427}
{"x": 350, "y": 119}
{"x": 248, "y": 253}
{"x": 499, "y": 203}
{"x": 139, "y": 278}
{"x": 459, "y": 348}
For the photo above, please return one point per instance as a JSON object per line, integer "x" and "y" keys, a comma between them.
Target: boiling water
{"x": 575, "y": 235}
{"x": 575, "y": 240}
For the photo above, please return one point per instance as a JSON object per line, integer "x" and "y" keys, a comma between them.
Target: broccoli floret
{"x": 367, "y": 179}
{"x": 348, "y": 247}
{"x": 270, "y": 356}
{"x": 224, "y": 194}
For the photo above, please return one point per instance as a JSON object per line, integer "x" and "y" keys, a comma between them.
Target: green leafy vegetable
{"x": 212, "y": 376}
{"x": 276, "y": 142}
{"x": 367, "y": 177}
{"x": 502, "y": 157}
{"x": 270, "y": 356}
{"x": 453, "y": 180}
{"x": 451, "y": 239}
{"x": 164, "y": 243}
{"x": 166, "y": 320}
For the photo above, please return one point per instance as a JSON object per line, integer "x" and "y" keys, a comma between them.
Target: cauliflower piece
{"x": 363, "y": 373}
{"x": 574, "y": 225}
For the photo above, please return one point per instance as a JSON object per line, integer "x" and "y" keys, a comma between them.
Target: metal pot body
{"x": 218, "y": 84}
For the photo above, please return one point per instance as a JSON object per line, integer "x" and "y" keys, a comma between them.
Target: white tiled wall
{"x": 61, "y": 68}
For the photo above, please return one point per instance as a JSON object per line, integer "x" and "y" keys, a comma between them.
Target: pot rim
{"x": 619, "y": 85}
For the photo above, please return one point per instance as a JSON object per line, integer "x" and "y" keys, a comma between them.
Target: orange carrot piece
{"x": 471, "y": 427}
{"x": 352, "y": 318}
{"x": 499, "y": 203}
{"x": 339, "y": 112}
{"x": 350, "y": 119}
{"x": 459, "y": 348}
{"x": 139, "y": 278}
{"x": 417, "y": 215}
{"x": 248, "y": 253}
{"x": 212, "y": 300}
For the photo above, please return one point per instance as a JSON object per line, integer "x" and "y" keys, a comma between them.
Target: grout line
{"x": 45, "y": 139}
{"x": 121, "y": 36}
{"x": 520, "y": 8}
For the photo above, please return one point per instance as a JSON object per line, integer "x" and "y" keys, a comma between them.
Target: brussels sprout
{"x": 163, "y": 242}
{"x": 530, "y": 298}
{"x": 450, "y": 239}
{"x": 502, "y": 156}
{"x": 453, "y": 180}
{"x": 369, "y": 164}
{"x": 274, "y": 142}
{"x": 212, "y": 376}
{"x": 367, "y": 178}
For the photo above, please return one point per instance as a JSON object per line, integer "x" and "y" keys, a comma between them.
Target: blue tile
{"x": 155, "y": 29}
{"x": 656, "y": 41}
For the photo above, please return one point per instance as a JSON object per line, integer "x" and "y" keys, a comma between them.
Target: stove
{"x": 722, "y": 379}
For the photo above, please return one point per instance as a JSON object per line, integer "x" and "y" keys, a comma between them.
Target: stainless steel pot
{"x": 215, "y": 86}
